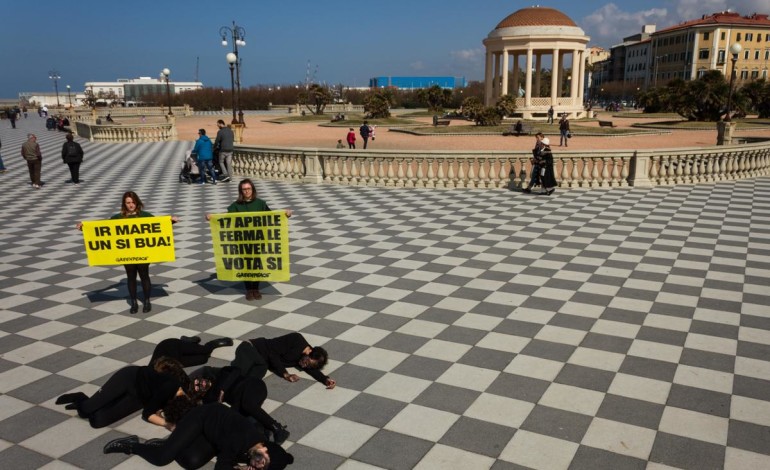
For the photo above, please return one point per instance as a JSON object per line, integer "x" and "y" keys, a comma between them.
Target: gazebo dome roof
{"x": 536, "y": 16}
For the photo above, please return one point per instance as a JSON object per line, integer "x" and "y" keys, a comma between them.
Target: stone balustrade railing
{"x": 161, "y": 132}
{"x": 85, "y": 114}
{"x": 497, "y": 169}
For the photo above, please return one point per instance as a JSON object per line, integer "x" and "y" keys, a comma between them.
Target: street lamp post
{"x": 222, "y": 100}
{"x": 69, "y": 96}
{"x": 237, "y": 34}
{"x": 164, "y": 74}
{"x": 232, "y": 59}
{"x": 54, "y": 75}
{"x": 735, "y": 49}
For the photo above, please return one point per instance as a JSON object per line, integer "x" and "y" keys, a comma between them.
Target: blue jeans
{"x": 563, "y": 139}
{"x": 202, "y": 166}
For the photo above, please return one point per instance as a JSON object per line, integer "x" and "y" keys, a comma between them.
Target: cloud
{"x": 417, "y": 65}
{"x": 467, "y": 55}
{"x": 609, "y": 24}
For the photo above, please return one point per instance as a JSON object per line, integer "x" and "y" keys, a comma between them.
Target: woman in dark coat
{"x": 72, "y": 155}
{"x": 547, "y": 177}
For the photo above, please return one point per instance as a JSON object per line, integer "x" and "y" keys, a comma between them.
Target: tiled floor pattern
{"x": 479, "y": 329}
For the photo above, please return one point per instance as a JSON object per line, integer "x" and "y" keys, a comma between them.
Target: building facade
{"x": 132, "y": 90}
{"x": 412, "y": 83}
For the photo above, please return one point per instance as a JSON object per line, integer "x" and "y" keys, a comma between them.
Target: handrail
{"x": 502, "y": 169}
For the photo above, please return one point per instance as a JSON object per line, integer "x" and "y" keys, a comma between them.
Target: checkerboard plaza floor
{"x": 480, "y": 329}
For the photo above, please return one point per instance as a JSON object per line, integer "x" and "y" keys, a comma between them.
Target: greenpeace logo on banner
{"x": 251, "y": 245}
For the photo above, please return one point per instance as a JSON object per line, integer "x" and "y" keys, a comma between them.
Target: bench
{"x": 526, "y": 129}
{"x": 606, "y": 124}
{"x": 441, "y": 122}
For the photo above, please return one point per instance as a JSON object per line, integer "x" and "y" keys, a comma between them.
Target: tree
{"x": 489, "y": 116}
{"x": 435, "y": 97}
{"x": 472, "y": 107}
{"x": 506, "y": 105}
{"x": 757, "y": 96}
{"x": 704, "y": 99}
{"x": 315, "y": 98}
{"x": 377, "y": 104}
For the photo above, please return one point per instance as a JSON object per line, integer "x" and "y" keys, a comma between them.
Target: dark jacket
{"x": 71, "y": 152}
{"x": 365, "y": 131}
{"x": 225, "y": 140}
{"x": 285, "y": 351}
{"x": 547, "y": 177}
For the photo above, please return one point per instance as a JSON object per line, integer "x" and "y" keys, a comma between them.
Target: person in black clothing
{"x": 205, "y": 432}
{"x": 365, "y": 132}
{"x": 547, "y": 177}
{"x": 130, "y": 389}
{"x": 536, "y": 161}
{"x": 255, "y": 357}
{"x": 188, "y": 350}
{"x": 72, "y": 155}
{"x": 244, "y": 394}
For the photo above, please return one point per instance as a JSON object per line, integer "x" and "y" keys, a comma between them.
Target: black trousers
{"x": 251, "y": 285}
{"x": 143, "y": 270}
{"x": 189, "y": 354}
{"x": 186, "y": 444}
{"x": 249, "y": 361}
{"x": 75, "y": 171}
{"x": 114, "y": 401}
{"x": 247, "y": 397}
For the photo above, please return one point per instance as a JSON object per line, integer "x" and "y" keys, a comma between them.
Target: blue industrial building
{"x": 410, "y": 83}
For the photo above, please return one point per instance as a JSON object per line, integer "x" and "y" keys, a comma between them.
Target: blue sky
{"x": 345, "y": 41}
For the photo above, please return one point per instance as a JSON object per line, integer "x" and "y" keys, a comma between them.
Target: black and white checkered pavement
{"x": 479, "y": 329}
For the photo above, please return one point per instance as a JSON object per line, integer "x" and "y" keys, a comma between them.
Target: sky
{"x": 344, "y": 42}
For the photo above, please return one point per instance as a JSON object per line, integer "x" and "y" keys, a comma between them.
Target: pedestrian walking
{"x": 30, "y": 150}
{"x": 72, "y": 155}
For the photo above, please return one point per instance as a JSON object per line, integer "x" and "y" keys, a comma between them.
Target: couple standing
{"x": 542, "y": 166}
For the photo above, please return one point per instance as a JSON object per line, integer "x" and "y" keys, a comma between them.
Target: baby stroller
{"x": 190, "y": 173}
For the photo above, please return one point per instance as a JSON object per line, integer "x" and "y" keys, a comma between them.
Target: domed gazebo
{"x": 532, "y": 34}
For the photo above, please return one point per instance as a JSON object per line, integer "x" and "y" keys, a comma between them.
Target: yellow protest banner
{"x": 251, "y": 246}
{"x": 131, "y": 240}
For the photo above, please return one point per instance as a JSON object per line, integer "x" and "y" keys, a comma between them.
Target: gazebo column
{"x": 581, "y": 88}
{"x": 516, "y": 71}
{"x": 528, "y": 85}
{"x": 560, "y": 81}
{"x": 488, "y": 77}
{"x": 496, "y": 80}
{"x": 573, "y": 93}
{"x": 554, "y": 77}
{"x": 504, "y": 88}
{"x": 538, "y": 68}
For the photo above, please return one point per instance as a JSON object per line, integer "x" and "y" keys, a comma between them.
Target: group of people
{"x": 205, "y": 152}
{"x": 366, "y": 131}
{"x": 542, "y": 166}
{"x": 193, "y": 406}
{"x": 132, "y": 206}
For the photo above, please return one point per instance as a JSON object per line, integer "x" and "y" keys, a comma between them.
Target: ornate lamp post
{"x": 237, "y": 34}
{"x": 164, "y": 74}
{"x": 54, "y": 75}
{"x": 735, "y": 49}
{"x": 232, "y": 59}
{"x": 69, "y": 96}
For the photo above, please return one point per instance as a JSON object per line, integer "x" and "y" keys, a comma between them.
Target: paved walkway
{"x": 479, "y": 329}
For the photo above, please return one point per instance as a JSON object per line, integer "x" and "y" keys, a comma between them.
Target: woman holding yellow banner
{"x": 249, "y": 202}
{"x": 132, "y": 206}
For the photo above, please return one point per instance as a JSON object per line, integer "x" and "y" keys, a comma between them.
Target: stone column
{"x": 504, "y": 88}
{"x": 581, "y": 87}
{"x": 237, "y": 132}
{"x": 528, "y": 85}
{"x": 538, "y": 68}
{"x": 488, "y": 78}
{"x": 554, "y": 77}
{"x": 171, "y": 119}
{"x": 575, "y": 72}
{"x": 516, "y": 71}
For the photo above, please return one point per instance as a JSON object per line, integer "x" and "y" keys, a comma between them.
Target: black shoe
{"x": 68, "y": 398}
{"x": 526, "y": 191}
{"x": 550, "y": 191}
{"x": 280, "y": 433}
{"x": 123, "y": 445}
{"x": 191, "y": 339}
{"x": 134, "y": 306}
{"x": 219, "y": 343}
{"x": 154, "y": 442}
{"x": 147, "y": 306}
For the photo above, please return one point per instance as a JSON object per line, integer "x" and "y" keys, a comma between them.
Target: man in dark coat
{"x": 72, "y": 155}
